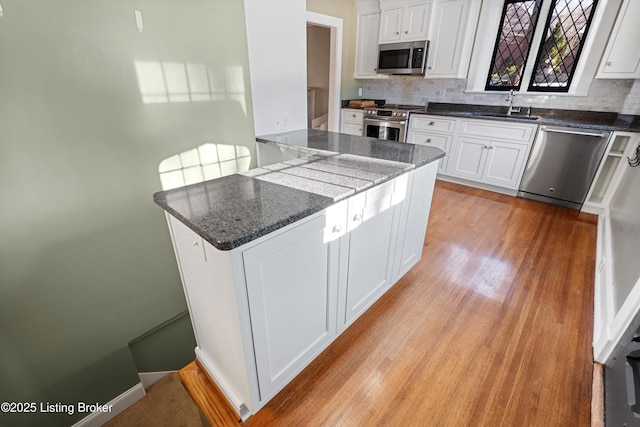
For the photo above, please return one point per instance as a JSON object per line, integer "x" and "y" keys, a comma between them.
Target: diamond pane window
{"x": 512, "y": 46}
{"x": 560, "y": 49}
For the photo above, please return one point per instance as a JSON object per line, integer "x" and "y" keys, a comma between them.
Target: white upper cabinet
{"x": 452, "y": 33}
{"x": 391, "y": 25}
{"x": 405, "y": 23}
{"x": 367, "y": 45}
{"x": 621, "y": 59}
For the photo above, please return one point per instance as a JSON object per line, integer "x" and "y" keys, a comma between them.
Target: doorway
{"x": 324, "y": 69}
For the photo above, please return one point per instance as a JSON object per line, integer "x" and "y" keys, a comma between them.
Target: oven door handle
{"x": 386, "y": 123}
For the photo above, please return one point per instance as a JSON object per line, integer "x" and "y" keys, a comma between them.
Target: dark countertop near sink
{"x": 233, "y": 210}
{"x": 598, "y": 120}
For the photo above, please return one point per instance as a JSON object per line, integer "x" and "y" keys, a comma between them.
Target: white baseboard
{"x": 149, "y": 378}
{"x": 119, "y": 404}
{"x": 241, "y": 409}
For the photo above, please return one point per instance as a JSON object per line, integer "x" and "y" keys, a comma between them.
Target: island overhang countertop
{"x": 233, "y": 210}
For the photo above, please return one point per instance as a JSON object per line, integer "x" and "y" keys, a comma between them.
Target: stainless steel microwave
{"x": 403, "y": 58}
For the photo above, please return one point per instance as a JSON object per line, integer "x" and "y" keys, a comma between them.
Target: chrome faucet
{"x": 510, "y": 97}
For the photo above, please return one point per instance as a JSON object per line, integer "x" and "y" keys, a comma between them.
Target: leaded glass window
{"x": 561, "y": 41}
{"x": 560, "y": 49}
{"x": 513, "y": 43}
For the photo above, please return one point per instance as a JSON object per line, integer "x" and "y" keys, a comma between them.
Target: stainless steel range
{"x": 388, "y": 122}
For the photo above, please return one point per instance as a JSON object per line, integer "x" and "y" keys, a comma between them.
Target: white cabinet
{"x": 621, "y": 59}
{"x": 452, "y": 34}
{"x": 291, "y": 291}
{"x": 622, "y": 145}
{"x": 369, "y": 249}
{"x": 435, "y": 131}
{"x": 352, "y": 121}
{"x": 263, "y": 311}
{"x": 491, "y": 152}
{"x": 406, "y": 23}
{"x": 493, "y": 162}
{"x": 367, "y": 45}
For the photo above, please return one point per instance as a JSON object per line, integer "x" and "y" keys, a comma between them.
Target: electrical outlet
{"x": 359, "y": 91}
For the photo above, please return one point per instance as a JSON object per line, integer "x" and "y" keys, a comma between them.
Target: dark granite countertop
{"x": 231, "y": 211}
{"x": 597, "y": 120}
{"x": 363, "y": 146}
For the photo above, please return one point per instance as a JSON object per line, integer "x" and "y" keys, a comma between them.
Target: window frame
{"x": 496, "y": 45}
{"x": 552, "y": 89}
{"x": 585, "y": 72}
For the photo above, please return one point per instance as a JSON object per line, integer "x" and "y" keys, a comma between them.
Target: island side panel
{"x": 210, "y": 289}
{"x": 414, "y": 219}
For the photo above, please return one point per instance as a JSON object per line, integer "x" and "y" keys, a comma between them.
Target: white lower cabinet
{"x": 263, "y": 311}
{"x": 291, "y": 299}
{"x": 351, "y": 121}
{"x": 496, "y": 163}
{"x": 435, "y": 131}
{"x": 368, "y": 250}
{"x": 491, "y": 152}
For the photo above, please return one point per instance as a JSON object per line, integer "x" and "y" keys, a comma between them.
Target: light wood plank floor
{"x": 492, "y": 328}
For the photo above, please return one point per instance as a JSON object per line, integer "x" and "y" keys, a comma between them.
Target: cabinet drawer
{"x": 422, "y": 138}
{"x": 354, "y": 116}
{"x": 498, "y": 130}
{"x": 432, "y": 123}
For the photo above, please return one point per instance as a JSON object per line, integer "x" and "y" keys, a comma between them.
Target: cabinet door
{"x": 367, "y": 45}
{"x": 505, "y": 164}
{"x": 468, "y": 158}
{"x": 391, "y": 25}
{"x": 292, "y": 294}
{"x": 622, "y": 56}
{"x": 416, "y": 22}
{"x": 448, "y": 37}
{"x": 370, "y": 250}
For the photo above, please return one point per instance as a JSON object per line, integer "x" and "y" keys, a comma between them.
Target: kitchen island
{"x": 278, "y": 261}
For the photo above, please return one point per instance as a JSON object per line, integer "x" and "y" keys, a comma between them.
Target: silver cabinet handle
{"x": 397, "y": 33}
{"x": 609, "y": 64}
{"x": 357, "y": 217}
{"x": 406, "y": 32}
{"x": 432, "y": 123}
{"x": 336, "y": 229}
{"x": 428, "y": 140}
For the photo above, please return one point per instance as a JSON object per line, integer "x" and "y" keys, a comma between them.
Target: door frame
{"x": 335, "y": 64}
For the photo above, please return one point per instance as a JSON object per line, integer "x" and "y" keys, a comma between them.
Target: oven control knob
{"x": 404, "y": 114}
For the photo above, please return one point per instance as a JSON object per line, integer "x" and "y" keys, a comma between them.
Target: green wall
{"x": 346, "y": 10}
{"x": 89, "y": 107}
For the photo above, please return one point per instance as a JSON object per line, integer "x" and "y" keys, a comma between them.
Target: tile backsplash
{"x": 604, "y": 95}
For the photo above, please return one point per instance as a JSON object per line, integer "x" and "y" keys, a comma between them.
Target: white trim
{"x": 480, "y": 185}
{"x": 119, "y": 405}
{"x": 241, "y": 409}
{"x": 149, "y": 378}
{"x": 335, "y": 64}
{"x": 586, "y": 67}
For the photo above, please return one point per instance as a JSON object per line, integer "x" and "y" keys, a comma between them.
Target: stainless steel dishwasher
{"x": 562, "y": 165}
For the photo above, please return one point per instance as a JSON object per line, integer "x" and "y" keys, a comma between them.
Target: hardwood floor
{"x": 493, "y": 327}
